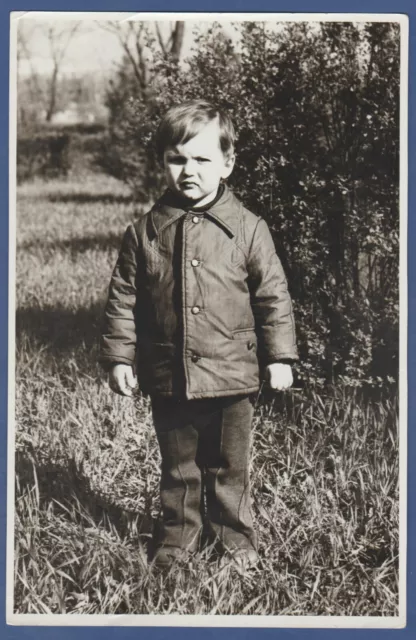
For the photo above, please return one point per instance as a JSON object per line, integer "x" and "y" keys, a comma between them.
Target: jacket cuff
{"x": 107, "y": 362}
{"x": 268, "y": 357}
{"x": 281, "y": 360}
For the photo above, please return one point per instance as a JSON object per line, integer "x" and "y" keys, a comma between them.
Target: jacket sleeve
{"x": 270, "y": 300}
{"x": 118, "y": 339}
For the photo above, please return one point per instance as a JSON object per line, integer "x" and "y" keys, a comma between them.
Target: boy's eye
{"x": 176, "y": 160}
{"x": 202, "y": 160}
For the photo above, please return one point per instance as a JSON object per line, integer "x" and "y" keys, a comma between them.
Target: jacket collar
{"x": 224, "y": 212}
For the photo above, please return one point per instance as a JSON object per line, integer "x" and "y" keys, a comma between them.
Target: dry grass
{"x": 325, "y": 465}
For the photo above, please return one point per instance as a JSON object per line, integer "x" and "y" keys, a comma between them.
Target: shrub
{"x": 45, "y": 153}
{"x": 51, "y": 151}
{"x": 316, "y": 108}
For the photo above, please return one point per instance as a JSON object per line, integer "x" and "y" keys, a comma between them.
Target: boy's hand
{"x": 122, "y": 379}
{"x": 279, "y": 376}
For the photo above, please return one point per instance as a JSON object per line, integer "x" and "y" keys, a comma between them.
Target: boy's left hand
{"x": 279, "y": 376}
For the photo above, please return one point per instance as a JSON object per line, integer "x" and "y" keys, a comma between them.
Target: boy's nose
{"x": 188, "y": 168}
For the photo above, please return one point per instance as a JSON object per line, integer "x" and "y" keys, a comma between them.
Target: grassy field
{"x": 324, "y": 466}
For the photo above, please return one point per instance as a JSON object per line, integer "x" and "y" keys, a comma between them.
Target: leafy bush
{"x": 45, "y": 153}
{"x": 316, "y": 108}
{"x": 52, "y": 151}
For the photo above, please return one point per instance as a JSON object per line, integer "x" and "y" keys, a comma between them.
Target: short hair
{"x": 182, "y": 122}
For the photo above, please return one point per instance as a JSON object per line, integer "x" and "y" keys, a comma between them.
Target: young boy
{"x": 198, "y": 303}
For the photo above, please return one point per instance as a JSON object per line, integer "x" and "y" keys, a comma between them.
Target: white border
{"x": 12, "y": 324}
{"x": 403, "y": 311}
{"x": 211, "y": 16}
{"x": 175, "y": 620}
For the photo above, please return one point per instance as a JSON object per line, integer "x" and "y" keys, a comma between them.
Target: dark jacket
{"x": 198, "y": 300}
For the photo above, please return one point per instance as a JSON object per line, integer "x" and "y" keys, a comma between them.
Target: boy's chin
{"x": 195, "y": 196}
{"x": 190, "y": 195}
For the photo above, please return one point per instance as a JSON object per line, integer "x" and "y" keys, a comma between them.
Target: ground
{"x": 324, "y": 463}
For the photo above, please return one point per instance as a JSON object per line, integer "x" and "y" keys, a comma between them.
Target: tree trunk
{"x": 177, "y": 39}
{"x": 52, "y": 94}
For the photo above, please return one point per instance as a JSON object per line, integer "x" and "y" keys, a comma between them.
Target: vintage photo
{"x": 207, "y": 375}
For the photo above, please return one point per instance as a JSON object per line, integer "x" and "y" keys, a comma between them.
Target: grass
{"x": 324, "y": 465}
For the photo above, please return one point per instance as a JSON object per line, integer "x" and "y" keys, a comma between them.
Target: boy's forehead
{"x": 206, "y": 137}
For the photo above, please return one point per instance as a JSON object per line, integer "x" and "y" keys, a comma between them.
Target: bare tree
{"x": 42, "y": 88}
{"x": 136, "y": 40}
{"x": 24, "y": 53}
{"x": 59, "y": 38}
{"x": 173, "y": 46}
{"x": 29, "y": 78}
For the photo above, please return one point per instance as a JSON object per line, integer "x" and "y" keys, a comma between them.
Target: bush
{"x": 316, "y": 108}
{"x": 52, "y": 151}
{"x": 45, "y": 154}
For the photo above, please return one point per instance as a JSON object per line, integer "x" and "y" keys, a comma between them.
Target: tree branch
{"x": 160, "y": 39}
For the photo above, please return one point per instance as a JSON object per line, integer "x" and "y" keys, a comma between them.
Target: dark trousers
{"x": 205, "y": 450}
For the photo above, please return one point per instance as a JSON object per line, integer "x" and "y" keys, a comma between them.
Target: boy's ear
{"x": 228, "y": 165}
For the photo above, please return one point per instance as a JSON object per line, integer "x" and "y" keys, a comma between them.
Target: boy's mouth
{"x": 187, "y": 184}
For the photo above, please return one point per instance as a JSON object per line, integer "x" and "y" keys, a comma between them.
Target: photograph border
{"x": 406, "y": 226}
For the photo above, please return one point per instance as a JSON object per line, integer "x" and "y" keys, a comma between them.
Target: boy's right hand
{"x": 122, "y": 379}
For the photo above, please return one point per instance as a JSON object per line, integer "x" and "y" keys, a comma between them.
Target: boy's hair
{"x": 182, "y": 122}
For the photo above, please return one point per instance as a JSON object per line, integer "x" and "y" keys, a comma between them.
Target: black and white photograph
{"x": 207, "y": 303}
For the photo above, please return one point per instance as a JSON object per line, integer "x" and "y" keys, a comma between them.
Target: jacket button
{"x": 194, "y": 358}
{"x": 251, "y": 345}
{"x": 195, "y": 310}
{"x": 195, "y": 219}
{"x": 194, "y": 262}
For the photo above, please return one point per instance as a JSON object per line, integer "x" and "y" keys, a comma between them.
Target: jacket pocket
{"x": 242, "y": 334}
{"x": 247, "y": 337}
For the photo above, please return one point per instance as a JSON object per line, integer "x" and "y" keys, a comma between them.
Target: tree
{"x": 39, "y": 90}
{"x": 139, "y": 45}
{"x": 59, "y": 38}
{"x": 133, "y": 92}
{"x": 30, "y": 92}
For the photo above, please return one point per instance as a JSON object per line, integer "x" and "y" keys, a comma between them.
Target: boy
{"x": 198, "y": 301}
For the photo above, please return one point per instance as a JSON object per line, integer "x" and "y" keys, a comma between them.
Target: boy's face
{"x": 194, "y": 169}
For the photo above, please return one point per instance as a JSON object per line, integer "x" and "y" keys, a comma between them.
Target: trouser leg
{"x": 180, "y": 485}
{"x": 225, "y": 450}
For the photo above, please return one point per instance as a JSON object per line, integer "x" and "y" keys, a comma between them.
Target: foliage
{"x": 316, "y": 108}
{"x": 325, "y": 465}
{"x": 45, "y": 154}
{"x": 56, "y": 150}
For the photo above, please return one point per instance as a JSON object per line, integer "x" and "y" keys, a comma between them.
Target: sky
{"x": 92, "y": 48}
